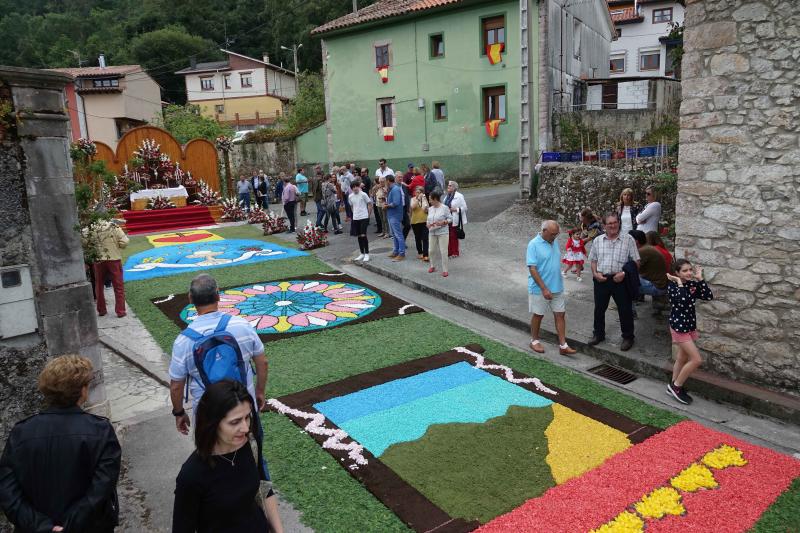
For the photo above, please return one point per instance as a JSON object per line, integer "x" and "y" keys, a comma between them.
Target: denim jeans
{"x": 397, "y": 236}
{"x": 647, "y": 287}
{"x": 320, "y": 213}
{"x": 244, "y": 197}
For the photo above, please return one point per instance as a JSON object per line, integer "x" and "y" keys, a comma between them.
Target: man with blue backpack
{"x": 214, "y": 347}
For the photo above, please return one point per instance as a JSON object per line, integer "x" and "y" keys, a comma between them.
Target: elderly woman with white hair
{"x": 458, "y": 207}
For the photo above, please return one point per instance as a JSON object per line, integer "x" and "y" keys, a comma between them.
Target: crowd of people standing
{"x": 397, "y": 203}
{"x": 628, "y": 260}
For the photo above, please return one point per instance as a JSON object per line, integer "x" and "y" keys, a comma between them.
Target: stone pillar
{"x": 38, "y": 220}
{"x": 739, "y": 175}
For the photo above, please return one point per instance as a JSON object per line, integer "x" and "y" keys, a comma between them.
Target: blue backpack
{"x": 217, "y": 355}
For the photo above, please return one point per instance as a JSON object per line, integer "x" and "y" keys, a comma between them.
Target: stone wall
{"x": 566, "y": 188}
{"x": 738, "y": 204}
{"x": 37, "y": 228}
{"x": 271, "y": 157}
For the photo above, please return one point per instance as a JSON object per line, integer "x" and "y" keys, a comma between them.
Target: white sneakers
{"x": 359, "y": 258}
{"x": 366, "y": 257}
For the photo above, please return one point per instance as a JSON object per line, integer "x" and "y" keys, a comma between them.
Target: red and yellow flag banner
{"x": 383, "y": 72}
{"x": 388, "y": 134}
{"x": 493, "y": 128}
{"x": 495, "y": 52}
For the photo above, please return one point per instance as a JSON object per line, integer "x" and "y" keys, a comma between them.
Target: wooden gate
{"x": 198, "y": 156}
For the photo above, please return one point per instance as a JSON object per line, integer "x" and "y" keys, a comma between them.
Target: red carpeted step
{"x": 154, "y": 220}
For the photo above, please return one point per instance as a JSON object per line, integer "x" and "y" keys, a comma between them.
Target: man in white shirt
{"x": 383, "y": 171}
{"x": 204, "y": 294}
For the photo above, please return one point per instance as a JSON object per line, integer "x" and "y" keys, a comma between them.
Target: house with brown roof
{"x": 469, "y": 83}
{"x": 106, "y": 101}
{"x": 240, "y": 91}
{"x": 643, "y": 47}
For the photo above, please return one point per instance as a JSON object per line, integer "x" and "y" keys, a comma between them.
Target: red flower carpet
{"x": 687, "y": 478}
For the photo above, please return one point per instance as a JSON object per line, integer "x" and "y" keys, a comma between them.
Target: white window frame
{"x": 249, "y": 76}
{"x": 577, "y": 31}
{"x": 207, "y": 80}
{"x": 379, "y": 113}
{"x": 648, "y": 52}
{"x": 624, "y": 59}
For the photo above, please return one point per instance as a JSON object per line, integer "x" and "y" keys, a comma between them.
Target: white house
{"x": 241, "y": 91}
{"x": 642, "y": 48}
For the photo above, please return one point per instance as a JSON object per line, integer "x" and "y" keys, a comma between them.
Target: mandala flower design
{"x": 295, "y": 306}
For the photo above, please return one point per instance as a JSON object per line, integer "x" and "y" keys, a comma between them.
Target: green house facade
{"x": 436, "y": 92}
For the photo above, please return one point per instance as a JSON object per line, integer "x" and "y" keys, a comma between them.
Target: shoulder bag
{"x": 460, "y": 228}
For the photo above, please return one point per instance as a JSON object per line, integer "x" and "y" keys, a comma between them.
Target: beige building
{"x": 240, "y": 91}
{"x": 105, "y": 102}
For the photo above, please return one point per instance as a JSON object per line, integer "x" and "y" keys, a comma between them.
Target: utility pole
{"x": 294, "y": 49}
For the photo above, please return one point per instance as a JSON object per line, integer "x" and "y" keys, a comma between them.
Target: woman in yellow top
{"x": 419, "y": 219}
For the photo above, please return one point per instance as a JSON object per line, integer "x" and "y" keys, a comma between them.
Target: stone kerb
{"x": 36, "y": 168}
{"x": 737, "y": 203}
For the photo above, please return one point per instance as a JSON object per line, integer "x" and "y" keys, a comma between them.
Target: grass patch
{"x": 783, "y": 515}
{"x": 139, "y": 243}
{"x": 312, "y": 480}
{"x": 139, "y": 293}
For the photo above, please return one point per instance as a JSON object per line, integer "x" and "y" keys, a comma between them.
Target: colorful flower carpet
{"x": 201, "y": 256}
{"x": 289, "y": 307}
{"x": 456, "y": 442}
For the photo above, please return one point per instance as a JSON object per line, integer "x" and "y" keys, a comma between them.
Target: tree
{"x": 162, "y": 52}
{"x": 186, "y": 123}
{"x": 308, "y": 107}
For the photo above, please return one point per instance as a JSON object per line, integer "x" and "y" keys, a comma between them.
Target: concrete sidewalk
{"x": 490, "y": 277}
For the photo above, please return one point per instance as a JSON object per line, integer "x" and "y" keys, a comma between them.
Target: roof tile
{"x": 90, "y": 72}
{"x": 381, "y": 10}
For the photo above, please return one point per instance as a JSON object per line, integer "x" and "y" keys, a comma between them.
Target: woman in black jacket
{"x": 59, "y": 468}
{"x": 219, "y": 487}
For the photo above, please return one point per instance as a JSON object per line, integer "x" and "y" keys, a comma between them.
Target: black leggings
{"x": 421, "y": 238}
{"x": 360, "y": 227}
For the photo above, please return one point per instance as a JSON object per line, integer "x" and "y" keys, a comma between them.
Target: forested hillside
{"x": 161, "y": 35}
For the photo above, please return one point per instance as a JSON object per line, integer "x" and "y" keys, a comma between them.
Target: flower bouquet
{"x": 311, "y": 237}
{"x": 257, "y": 215}
{"x": 232, "y": 210}
{"x": 160, "y": 202}
{"x": 82, "y": 149}
{"x": 206, "y": 196}
{"x": 224, "y": 143}
{"x": 274, "y": 224}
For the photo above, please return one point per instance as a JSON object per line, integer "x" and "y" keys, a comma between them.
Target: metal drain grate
{"x": 613, "y": 373}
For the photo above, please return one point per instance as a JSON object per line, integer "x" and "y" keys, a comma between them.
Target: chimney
{"x": 102, "y": 60}
{"x": 266, "y": 58}
{"x": 193, "y": 61}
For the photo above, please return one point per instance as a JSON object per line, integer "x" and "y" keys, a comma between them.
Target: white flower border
{"x": 480, "y": 362}
{"x": 317, "y": 427}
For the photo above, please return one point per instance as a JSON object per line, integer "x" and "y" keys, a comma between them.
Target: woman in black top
{"x": 59, "y": 468}
{"x": 685, "y": 287}
{"x": 217, "y": 488}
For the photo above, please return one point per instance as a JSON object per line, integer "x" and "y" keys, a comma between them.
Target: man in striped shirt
{"x": 610, "y": 252}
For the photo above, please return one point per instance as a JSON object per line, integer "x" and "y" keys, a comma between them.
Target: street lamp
{"x": 294, "y": 49}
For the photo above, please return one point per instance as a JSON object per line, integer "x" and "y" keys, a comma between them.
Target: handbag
{"x": 460, "y": 228}
{"x": 264, "y": 486}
